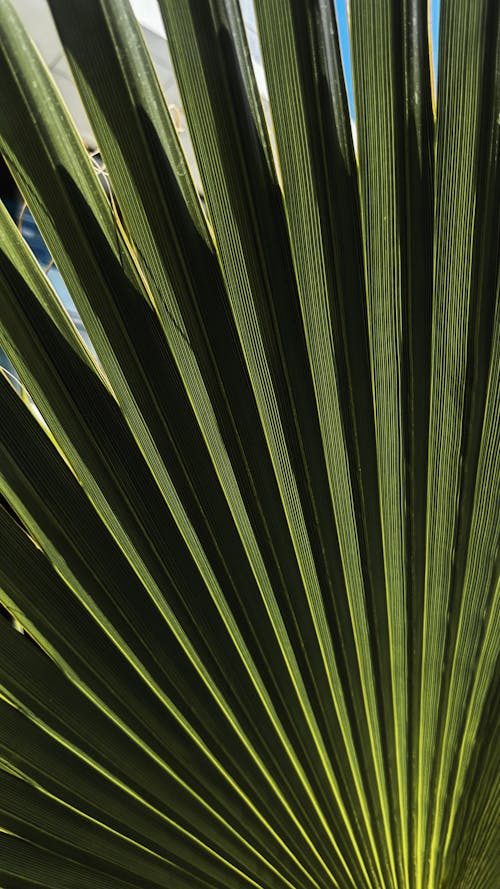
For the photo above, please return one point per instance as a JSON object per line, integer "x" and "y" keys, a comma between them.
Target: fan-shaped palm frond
{"x": 255, "y": 534}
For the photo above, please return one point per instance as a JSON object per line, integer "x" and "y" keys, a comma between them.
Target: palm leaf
{"x": 253, "y": 533}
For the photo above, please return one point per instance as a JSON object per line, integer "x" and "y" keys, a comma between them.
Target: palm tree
{"x": 255, "y": 535}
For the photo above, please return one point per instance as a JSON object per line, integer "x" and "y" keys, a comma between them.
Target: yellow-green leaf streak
{"x": 373, "y": 27}
{"x": 462, "y": 36}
